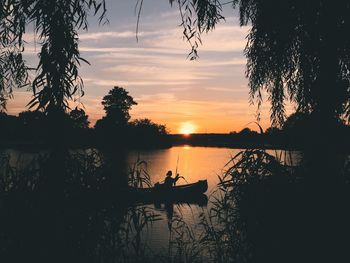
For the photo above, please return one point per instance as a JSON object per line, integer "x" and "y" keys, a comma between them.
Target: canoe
{"x": 181, "y": 192}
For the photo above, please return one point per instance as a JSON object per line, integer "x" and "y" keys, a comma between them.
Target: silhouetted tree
{"x": 297, "y": 121}
{"x": 56, "y": 24}
{"x": 146, "y": 133}
{"x": 272, "y": 131}
{"x": 247, "y": 132}
{"x": 28, "y": 118}
{"x": 13, "y": 72}
{"x": 79, "y": 118}
{"x": 32, "y": 124}
{"x": 111, "y": 130}
{"x": 148, "y": 127}
{"x": 117, "y": 104}
{"x": 296, "y": 49}
{"x": 102, "y": 124}
{"x": 9, "y": 126}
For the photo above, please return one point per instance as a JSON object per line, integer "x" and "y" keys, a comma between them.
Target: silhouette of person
{"x": 169, "y": 181}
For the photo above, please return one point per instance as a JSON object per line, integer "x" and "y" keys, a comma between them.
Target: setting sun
{"x": 187, "y": 128}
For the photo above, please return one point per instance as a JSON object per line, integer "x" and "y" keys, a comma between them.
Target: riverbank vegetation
{"x": 64, "y": 206}
{"x": 115, "y": 129}
{"x": 26, "y": 130}
{"x": 264, "y": 208}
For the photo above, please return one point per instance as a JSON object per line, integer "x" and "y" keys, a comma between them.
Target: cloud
{"x": 224, "y": 38}
{"x": 170, "y": 89}
{"x": 220, "y": 89}
{"x": 103, "y": 36}
{"x": 126, "y": 83}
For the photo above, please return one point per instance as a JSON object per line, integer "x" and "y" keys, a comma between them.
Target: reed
{"x": 20, "y": 175}
{"x": 256, "y": 188}
{"x": 138, "y": 175}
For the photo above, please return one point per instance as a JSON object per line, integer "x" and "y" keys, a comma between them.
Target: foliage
{"x": 255, "y": 213}
{"x": 184, "y": 241}
{"x": 85, "y": 170}
{"x": 112, "y": 230}
{"x": 9, "y": 125}
{"x": 138, "y": 175}
{"x": 31, "y": 117}
{"x": 148, "y": 127}
{"x": 224, "y": 227}
{"x": 224, "y": 234}
{"x": 247, "y": 132}
{"x": 20, "y": 175}
{"x": 250, "y": 166}
{"x": 272, "y": 130}
{"x": 35, "y": 126}
{"x": 13, "y": 71}
{"x": 56, "y": 24}
{"x": 79, "y": 118}
{"x": 300, "y": 51}
{"x": 296, "y": 50}
{"x": 117, "y": 104}
{"x": 208, "y": 14}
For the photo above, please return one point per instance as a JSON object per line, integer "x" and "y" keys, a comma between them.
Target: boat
{"x": 178, "y": 193}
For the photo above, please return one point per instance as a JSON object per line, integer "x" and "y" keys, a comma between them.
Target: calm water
{"x": 193, "y": 163}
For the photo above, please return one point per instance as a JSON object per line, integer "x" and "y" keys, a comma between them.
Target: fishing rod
{"x": 177, "y": 163}
{"x": 176, "y": 174}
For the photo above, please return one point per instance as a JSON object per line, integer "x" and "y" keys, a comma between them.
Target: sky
{"x": 209, "y": 95}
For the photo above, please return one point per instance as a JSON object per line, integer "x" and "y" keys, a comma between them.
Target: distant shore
{"x": 203, "y": 140}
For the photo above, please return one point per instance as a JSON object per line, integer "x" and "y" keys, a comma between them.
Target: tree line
{"x": 296, "y": 50}
{"x": 114, "y": 129}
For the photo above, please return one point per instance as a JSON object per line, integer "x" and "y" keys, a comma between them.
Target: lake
{"x": 157, "y": 236}
{"x": 194, "y": 163}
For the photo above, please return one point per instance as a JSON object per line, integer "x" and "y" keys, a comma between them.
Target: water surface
{"x": 193, "y": 163}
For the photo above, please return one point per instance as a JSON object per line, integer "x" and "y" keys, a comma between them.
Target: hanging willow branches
{"x": 56, "y": 24}
{"x": 297, "y": 50}
{"x": 198, "y": 17}
{"x": 13, "y": 71}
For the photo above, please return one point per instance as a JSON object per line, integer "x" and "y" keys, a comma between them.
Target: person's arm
{"x": 177, "y": 177}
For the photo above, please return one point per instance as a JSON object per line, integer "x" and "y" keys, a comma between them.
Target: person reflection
{"x": 169, "y": 209}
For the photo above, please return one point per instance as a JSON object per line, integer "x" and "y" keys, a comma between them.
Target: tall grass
{"x": 115, "y": 230}
{"x": 254, "y": 197}
{"x": 222, "y": 235}
{"x": 184, "y": 242}
{"x": 138, "y": 175}
{"x": 125, "y": 238}
{"x": 251, "y": 166}
{"x": 20, "y": 175}
{"x": 224, "y": 230}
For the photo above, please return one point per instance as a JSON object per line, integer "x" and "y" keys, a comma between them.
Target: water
{"x": 193, "y": 163}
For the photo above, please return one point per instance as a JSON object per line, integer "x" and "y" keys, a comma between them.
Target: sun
{"x": 187, "y": 128}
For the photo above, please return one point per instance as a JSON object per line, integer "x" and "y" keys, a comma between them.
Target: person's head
{"x": 169, "y": 173}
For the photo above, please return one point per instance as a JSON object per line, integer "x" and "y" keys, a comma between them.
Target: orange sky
{"x": 210, "y": 94}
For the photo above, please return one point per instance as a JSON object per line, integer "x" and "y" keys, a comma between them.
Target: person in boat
{"x": 170, "y": 181}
